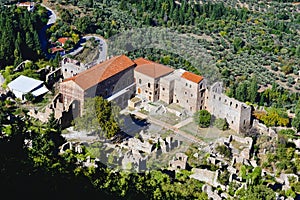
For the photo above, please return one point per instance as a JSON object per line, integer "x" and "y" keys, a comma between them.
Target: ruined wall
{"x": 236, "y": 113}
{"x": 70, "y": 67}
{"x": 71, "y": 91}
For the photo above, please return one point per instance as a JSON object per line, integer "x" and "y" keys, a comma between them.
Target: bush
{"x": 221, "y": 124}
{"x": 286, "y": 132}
{"x": 29, "y": 96}
{"x": 202, "y": 118}
{"x": 224, "y": 150}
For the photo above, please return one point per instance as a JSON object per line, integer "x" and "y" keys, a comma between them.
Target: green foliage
{"x": 287, "y": 132}
{"x": 47, "y": 172}
{"x": 255, "y": 176}
{"x": 256, "y": 192}
{"x": 224, "y": 150}
{"x": 202, "y": 118}
{"x": 223, "y": 178}
{"x": 290, "y": 193}
{"x": 273, "y": 117}
{"x": 99, "y": 116}
{"x": 221, "y": 124}
{"x": 29, "y": 96}
{"x": 19, "y": 37}
{"x": 296, "y": 121}
{"x": 233, "y": 186}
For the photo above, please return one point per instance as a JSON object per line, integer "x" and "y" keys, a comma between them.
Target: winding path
{"x": 78, "y": 48}
{"x": 43, "y": 32}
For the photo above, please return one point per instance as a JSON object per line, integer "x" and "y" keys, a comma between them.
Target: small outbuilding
{"x": 23, "y": 85}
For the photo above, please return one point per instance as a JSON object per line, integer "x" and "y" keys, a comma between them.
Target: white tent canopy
{"x": 23, "y": 84}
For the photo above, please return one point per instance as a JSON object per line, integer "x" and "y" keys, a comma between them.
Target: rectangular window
{"x": 140, "y": 81}
{"x": 149, "y": 85}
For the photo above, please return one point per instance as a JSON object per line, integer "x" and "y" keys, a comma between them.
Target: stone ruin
{"x": 150, "y": 143}
{"x": 72, "y": 146}
{"x": 76, "y": 146}
{"x": 133, "y": 160}
{"x": 139, "y": 149}
{"x": 179, "y": 162}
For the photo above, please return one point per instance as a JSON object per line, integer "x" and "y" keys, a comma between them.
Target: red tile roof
{"x": 101, "y": 72}
{"x": 142, "y": 61}
{"x": 56, "y": 49}
{"x": 151, "y": 69}
{"x": 192, "y": 77}
{"x": 63, "y": 40}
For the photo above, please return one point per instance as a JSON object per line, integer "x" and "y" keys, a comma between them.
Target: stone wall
{"x": 189, "y": 95}
{"x": 70, "y": 67}
{"x": 71, "y": 91}
{"x": 236, "y": 113}
{"x": 147, "y": 86}
{"x": 167, "y": 90}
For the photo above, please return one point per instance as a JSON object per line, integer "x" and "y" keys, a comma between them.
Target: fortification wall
{"x": 236, "y": 113}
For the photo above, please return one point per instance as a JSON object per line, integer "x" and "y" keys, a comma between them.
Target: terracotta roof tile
{"x": 151, "y": 69}
{"x": 102, "y": 71}
{"x": 63, "y": 40}
{"x": 192, "y": 77}
{"x": 142, "y": 61}
{"x": 56, "y": 49}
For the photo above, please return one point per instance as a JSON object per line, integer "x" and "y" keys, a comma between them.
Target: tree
{"x": 224, "y": 150}
{"x": 252, "y": 90}
{"x": 202, "y": 118}
{"x": 99, "y": 116}
{"x": 241, "y": 91}
{"x": 296, "y": 121}
{"x": 256, "y": 192}
{"x": 29, "y": 96}
{"x": 255, "y": 176}
{"x": 223, "y": 178}
{"x": 83, "y": 24}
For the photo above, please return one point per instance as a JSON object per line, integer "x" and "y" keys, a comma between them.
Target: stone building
{"x": 189, "y": 91}
{"x": 147, "y": 75}
{"x": 179, "y": 162}
{"x": 71, "y": 67}
{"x": 236, "y": 113}
{"x": 158, "y": 82}
{"x": 119, "y": 78}
{"x": 112, "y": 77}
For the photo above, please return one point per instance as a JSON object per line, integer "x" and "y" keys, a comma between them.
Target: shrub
{"x": 224, "y": 150}
{"x": 202, "y": 118}
{"x": 221, "y": 124}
